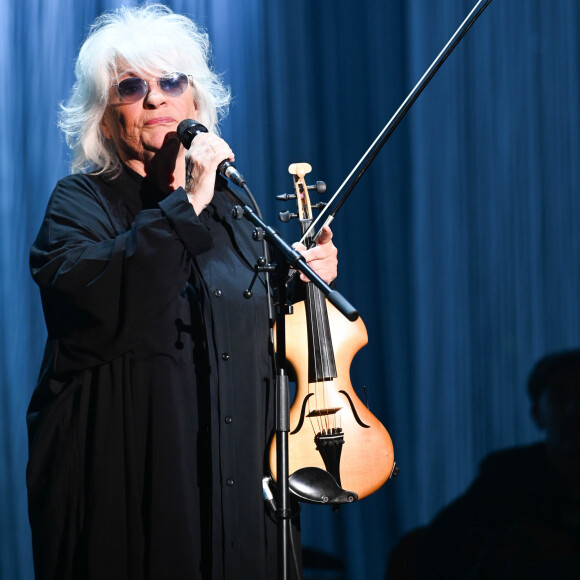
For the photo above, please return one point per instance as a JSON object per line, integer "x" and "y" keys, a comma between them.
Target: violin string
{"x": 321, "y": 347}
{"x": 320, "y": 371}
{"x": 320, "y": 374}
{"x": 324, "y": 352}
{"x": 305, "y": 213}
{"x": 319, "y": 353}
{"x": 314, "y": 385}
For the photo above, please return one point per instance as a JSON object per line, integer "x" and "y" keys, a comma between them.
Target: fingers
{"x": 206, "y": 153}
{"x": 325, "y": 236}
{"x": 322, "y": 258}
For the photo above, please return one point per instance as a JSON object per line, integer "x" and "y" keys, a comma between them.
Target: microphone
{"x": 186, "y": 132}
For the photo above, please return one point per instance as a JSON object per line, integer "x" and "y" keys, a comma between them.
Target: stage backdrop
{"x": 460, "y": 246}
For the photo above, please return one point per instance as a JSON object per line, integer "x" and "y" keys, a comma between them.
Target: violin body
{"x": 367, "y": 455}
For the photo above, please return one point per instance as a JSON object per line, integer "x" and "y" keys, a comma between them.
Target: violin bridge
{"x": 324, "y": 412}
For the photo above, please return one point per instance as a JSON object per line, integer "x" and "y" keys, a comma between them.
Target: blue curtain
{"x": 460, "y": 246}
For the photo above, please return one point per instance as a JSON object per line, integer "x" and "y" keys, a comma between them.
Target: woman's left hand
{"x": 322, "y": 258}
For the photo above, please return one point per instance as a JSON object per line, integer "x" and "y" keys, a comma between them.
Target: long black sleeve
{"x": 108, "y": 265}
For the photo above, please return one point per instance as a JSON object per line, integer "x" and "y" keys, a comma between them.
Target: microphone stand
{"x": 282, "y": 419}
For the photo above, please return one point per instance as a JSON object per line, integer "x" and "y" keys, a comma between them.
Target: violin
{"x": 338, "y": 452}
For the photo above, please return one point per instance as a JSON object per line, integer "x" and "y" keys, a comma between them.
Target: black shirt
{"x": 150, "y": 419}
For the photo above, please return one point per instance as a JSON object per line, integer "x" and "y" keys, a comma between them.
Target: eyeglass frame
{"x": 190, "y": 83}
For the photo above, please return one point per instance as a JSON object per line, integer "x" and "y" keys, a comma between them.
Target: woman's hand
{"x": 322, "y": 258}
{"x": 206, "y": 153}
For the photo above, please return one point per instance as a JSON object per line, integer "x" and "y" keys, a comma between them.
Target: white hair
{"x": 146, "y": 38}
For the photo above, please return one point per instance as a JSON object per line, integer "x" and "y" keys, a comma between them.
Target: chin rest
{"x": 316, "y": 485}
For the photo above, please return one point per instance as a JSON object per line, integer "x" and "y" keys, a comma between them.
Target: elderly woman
{"x": 153, "y": 408}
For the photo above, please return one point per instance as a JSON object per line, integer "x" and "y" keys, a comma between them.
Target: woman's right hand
{"x": 206, "y": 153}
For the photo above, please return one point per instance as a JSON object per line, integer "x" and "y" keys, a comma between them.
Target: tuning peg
{"x": 286, "y": 216}
{"x": 286, "y": 197}
{"x": 320, "y": 187}
{"x": 319, "y": 205}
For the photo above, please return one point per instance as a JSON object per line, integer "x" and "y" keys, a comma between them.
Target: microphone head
{"x": 187, "y": 130}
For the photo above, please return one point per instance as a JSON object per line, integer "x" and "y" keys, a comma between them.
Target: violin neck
{"x": 321, "y": 363}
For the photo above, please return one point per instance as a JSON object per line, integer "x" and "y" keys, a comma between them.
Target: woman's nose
{"x": 155, "y": 96}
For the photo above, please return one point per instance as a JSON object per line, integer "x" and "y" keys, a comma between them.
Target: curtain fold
{"x": 460, "y": 246}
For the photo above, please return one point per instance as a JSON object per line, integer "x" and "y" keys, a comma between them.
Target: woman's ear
{"x": 105, "y": 127}
{"x": 105, "y": 130}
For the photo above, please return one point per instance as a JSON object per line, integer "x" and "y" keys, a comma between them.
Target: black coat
{"x": 151, "y": 416}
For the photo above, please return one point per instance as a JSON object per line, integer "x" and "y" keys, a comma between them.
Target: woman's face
{"x": 141, "y": 129}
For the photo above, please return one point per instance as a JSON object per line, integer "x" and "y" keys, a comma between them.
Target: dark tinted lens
{"x": 174, "y": 85}
{"x": 132, "y": 89}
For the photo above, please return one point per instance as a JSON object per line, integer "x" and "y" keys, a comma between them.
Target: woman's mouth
{"x": 160, "y": 121}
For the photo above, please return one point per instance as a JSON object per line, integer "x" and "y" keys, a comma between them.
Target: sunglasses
{"x": 133, "y": 89}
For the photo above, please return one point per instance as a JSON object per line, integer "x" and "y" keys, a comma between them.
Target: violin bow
{"x": 371, "y": 153}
